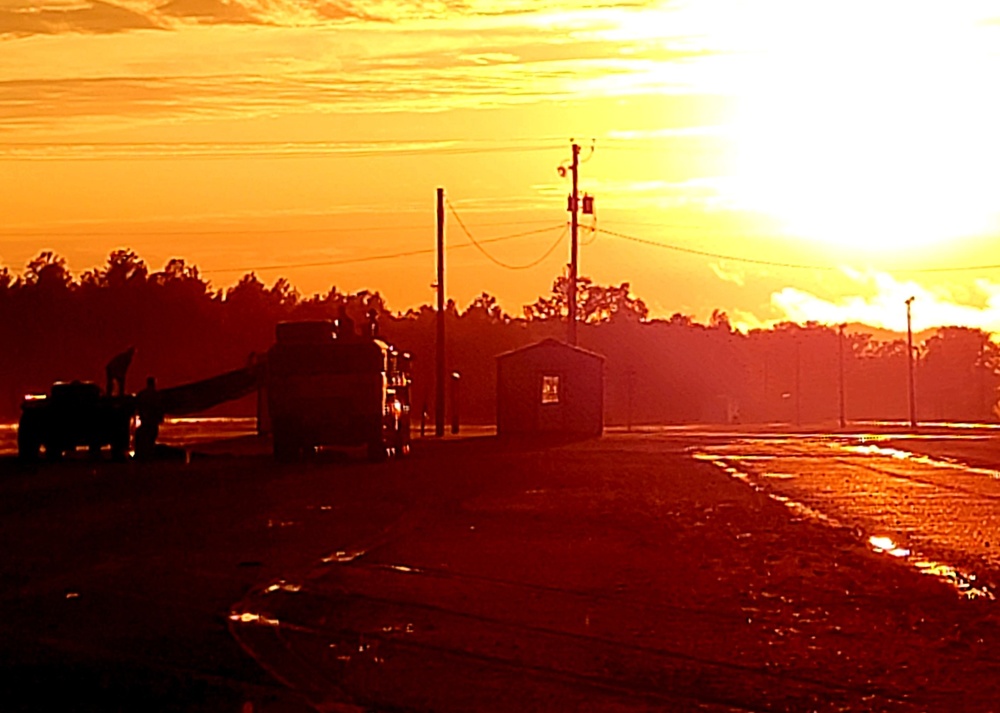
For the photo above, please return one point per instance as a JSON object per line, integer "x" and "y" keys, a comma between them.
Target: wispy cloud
{"x": 209, "y": 11}
{"x": 90, "y": 16}
{"x": 883, "y": 304}
{"x": 20, "y": 17}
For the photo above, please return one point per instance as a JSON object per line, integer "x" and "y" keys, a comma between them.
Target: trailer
{"x": 330, "y": 391}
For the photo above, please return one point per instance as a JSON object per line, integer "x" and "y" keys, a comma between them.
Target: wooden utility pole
{"x": 843, "y": 415}
{"x": 909, "y": 364}
{"x": 439, "y": 369}
{"x": 574, "y": 208}
{"x": 798, "y": 380}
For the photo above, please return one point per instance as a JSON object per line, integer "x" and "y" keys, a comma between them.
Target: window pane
{"x": 550, "y": 389}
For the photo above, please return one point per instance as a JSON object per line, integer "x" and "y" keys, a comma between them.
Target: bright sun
{"x": 870, "y": 125}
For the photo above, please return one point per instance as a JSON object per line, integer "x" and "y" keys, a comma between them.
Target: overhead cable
{"x": 384, "y": 256}
{"x": 495, "y": 260}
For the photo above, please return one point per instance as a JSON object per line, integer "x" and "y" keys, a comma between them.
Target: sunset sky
{"x": 774, "y": 159}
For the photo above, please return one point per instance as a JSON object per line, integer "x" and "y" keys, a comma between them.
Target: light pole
{"x": 843, "y": 416}
{"x": 909, "y": 363}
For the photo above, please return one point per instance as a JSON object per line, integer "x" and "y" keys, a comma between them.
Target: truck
{"x": 336, "y": 391}
{"x": 71, "y": 415}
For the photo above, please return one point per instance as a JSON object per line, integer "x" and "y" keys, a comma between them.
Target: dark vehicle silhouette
{"x": 75, "y": 414}
{"x": 336, "y": 389}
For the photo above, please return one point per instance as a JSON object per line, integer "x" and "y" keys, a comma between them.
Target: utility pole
{"x": 574, "y": 208}
{"x": 909, "y": 363}
{"x": 843, "y": 417}
{"x": 440, "y": 352}
{"x": 798, "y": 380}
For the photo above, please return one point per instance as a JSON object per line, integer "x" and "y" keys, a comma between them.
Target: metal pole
{"x": 631, "y": 377}
{"x": 440, "y": 352}
{"x": 455, "y": 400}
{"x": 798, "y": 381}
{"x": 574, "y": 205}
{"x": 909, "y": 363}
{"x": 843, "y": 416}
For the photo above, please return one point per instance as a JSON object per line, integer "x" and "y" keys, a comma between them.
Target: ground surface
{"x": 618, "y": 574}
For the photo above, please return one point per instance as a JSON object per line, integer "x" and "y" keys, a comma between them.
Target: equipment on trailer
{"x": 330, "y": 388}
{"x": 74, "y": 414}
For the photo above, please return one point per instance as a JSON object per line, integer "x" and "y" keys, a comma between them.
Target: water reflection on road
{"x": 938, "y": 515}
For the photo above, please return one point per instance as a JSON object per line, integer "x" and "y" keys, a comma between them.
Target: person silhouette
{"x": 150, "y": 412}
{"x": 115, "y": 371}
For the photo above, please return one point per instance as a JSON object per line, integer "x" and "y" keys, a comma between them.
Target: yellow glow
{"x": 870, "y": 125}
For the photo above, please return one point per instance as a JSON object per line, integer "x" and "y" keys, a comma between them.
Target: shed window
{"x": 550, "y": 389}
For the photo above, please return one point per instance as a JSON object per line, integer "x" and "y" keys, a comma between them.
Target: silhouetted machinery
{"x": 75, "y": 414}
{"x": 329, "y": 389}
{"x": 323, "y": 389}
{"x": 78, "y": 413}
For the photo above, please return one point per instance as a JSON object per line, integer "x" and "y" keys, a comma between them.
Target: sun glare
{"x": 868, "y": 125}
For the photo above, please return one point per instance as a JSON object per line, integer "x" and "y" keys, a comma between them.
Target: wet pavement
{"x": 937, "y": 514}
{"x": 670, "y": 569}
{"x": 613, "y": 576}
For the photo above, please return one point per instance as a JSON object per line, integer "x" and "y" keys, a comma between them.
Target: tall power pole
{"x": 574, "y": 208}
{"x": 909, "y": 364}
{"x": 843, "y": 414}
{"x": 440, "y": 352}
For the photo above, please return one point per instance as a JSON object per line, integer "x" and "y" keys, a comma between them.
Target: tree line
{"x": 60, "y": 326}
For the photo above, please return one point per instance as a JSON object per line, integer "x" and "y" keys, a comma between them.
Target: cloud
{"x": 22, "y": 17}
{"x": 885, "y": 307}
{"x": 209, "y": 11}
{"x": 91, "y": 16}
{"x": 737, "y": 277}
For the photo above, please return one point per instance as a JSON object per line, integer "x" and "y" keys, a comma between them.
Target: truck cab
{"x": 74, "y": 414}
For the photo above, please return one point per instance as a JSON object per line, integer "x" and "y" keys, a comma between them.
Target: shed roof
{"x": 550, "y": 343}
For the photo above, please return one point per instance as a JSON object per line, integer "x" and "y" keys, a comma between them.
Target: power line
{"x": 372, "y": 258}
{"x": 719, "y": 256}
{"x": 495, "y": 260}
{"x": 248, "y": 231}
{"x": 790, "y": 265}
{"x": 222, "y": 150}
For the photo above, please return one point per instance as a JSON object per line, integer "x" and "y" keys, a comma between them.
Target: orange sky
{"x": 858, "y": 138}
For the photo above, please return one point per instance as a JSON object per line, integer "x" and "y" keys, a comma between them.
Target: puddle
{"x": 341, "y": 556}
{"x": 252, "y": 618}
{"x": 965, "y": 583}
{"x": 400, "y": 568}
{"x": 886, "y": 545}
{"x": 283, "y": 586}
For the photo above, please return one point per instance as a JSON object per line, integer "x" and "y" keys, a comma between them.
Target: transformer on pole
{"x": 574, "y": 207}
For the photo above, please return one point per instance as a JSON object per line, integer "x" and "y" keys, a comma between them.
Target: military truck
{"x": 75, "y": 414}
{"x": 325, "y": 390}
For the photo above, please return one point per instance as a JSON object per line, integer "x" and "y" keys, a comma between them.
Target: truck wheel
{"x": 402, "y": 441}
{"x": 286, "y": 448}
{"x": 28, "y": 443}
{"x": 53, "y": 452}
{"x": 377, "y": 451}
{"x": 120, "y": 443}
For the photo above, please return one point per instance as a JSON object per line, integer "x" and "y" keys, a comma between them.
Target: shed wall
{"x": 580, "y": 409}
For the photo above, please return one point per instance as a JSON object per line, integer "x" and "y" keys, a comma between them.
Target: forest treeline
{"x": 58, "y": 326}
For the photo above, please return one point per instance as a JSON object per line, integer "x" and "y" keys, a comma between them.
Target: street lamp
{"x": 909, "y": 363}
{"x": 843, "y": 415}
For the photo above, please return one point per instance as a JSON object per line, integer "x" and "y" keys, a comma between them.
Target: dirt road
{"x": 619, "y": 574}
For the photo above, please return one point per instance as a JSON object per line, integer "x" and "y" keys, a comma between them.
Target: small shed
{"x": 550, "y": 387}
